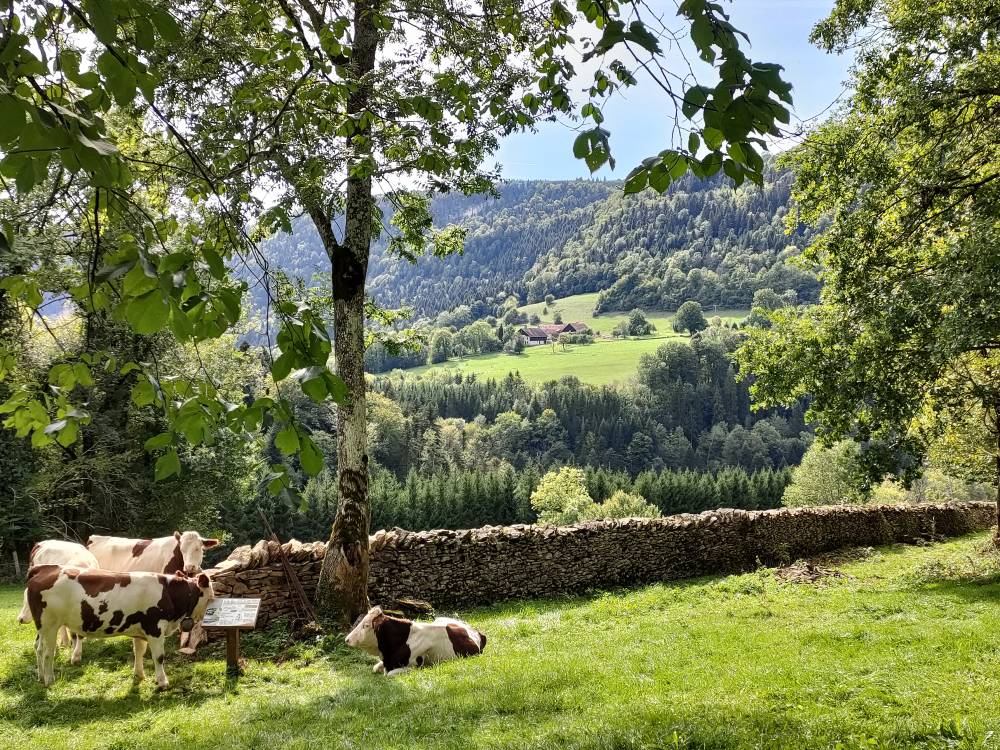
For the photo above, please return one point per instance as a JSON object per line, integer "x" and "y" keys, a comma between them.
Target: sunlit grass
{"x": 901, "y": 653}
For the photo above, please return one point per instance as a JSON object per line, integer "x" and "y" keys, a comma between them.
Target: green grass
{"x": 904, "y": 652}
{"x": 601, "y": 363}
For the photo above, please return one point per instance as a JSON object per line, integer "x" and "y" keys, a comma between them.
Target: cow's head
{"x": 363, "y": 635}
{"x": 192, "y": 550}
{"x": 205, "y": 594}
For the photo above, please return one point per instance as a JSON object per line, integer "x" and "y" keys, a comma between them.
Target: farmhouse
{"x": 533, "y": 335}
{"x": 548, "y": 332}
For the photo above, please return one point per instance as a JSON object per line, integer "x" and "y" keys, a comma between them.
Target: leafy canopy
{"x": 152, "y": 129}
{"x": 906, "y": 181}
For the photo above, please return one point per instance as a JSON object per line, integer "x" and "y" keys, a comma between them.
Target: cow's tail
{"x": 24, "y": 617}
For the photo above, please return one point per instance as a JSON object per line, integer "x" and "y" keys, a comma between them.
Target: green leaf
{"x": 581, "y": 145}
{"x": 713, "y": 138}
{"x": 68, "y": 434}
{"x": 711, "y": 164}
{"x": 137, "y": 282}
{"x": 167, "y": 465}
{"x": 148, "y": 313}
{"x": 143, "y": 393}
{"x": 336, "y": 387}
{"x": 158, "y": 442}
{"x": 281, "y": 366}
{"x": 314, "y": 384}
{"x": 12, "y": 118}
{"x": 694, "y": 99}
{"x": 214, "y": 261}
{"x": 702, "y": 33}
{"x": 636, "y": 181}
{"x": 287, "y": 441}
{"x": 694, "y": 143}
{"x": 103, "y": 19}
{"x": 310, "y": 457}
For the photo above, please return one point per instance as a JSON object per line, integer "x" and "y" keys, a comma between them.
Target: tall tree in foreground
{"x": 907, "y": 338}
{"x": 352, "y": 114}
{"x": 359, "y": 115}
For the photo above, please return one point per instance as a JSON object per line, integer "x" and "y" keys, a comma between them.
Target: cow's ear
{"x": 203, "y": 581}
{"x": 209, "y": 543}
{"x": 177, "y": 534}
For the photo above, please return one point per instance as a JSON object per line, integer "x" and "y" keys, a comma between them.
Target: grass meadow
{"x": 902, "y": 651}
{"x": 602, "y": 363}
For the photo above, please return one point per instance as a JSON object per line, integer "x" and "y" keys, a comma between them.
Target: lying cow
{"x": 59, "y": 552}
{"x": 182, "y": 552}
{"x": 402, "y": 644}
{"x": 102, "y": 604}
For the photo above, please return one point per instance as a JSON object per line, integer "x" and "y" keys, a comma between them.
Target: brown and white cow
{"x": 402, "y": 644}
{"x": 60, "y": 552}
{"x": 102, "y": 604}
{"x": 180, "y": 553}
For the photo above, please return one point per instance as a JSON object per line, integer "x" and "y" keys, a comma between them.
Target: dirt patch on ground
{"x": 806, "y": 571}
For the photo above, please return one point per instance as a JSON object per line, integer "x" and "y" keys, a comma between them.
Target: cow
{"x": 182, "y": 552}
{"x": 402, "y": 644}
{"x": 99, "y": 603}
{"x": 59, "y": 552}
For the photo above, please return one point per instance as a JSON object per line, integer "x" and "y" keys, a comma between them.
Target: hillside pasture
{"x": 604, "y": 362}
{"x": 901, "y": 650}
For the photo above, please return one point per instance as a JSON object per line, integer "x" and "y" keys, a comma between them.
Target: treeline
{"x": 687, "y": 410}
{"x": 702, "y": 240}
{"x": 469, "y": 498}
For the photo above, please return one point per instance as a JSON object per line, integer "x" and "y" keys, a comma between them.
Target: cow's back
{"x": 59, "y": 552}
{"x": 135, "y": 555}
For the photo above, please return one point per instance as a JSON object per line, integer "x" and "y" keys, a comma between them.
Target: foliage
{"x": 620, "y": 505}
{"x": 701, "y": 240}
{"x": 827, "y": 476}
{"x": 690, "y": 318}
{"x": 441, "y": 347}
{"x": 905, "y": 181}
{"x": 561, "y": 496}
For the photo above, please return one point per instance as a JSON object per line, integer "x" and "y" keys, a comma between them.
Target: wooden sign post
{"x": 232, "y": 615}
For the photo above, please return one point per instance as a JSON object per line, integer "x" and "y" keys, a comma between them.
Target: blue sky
{"x": 640, "y": 120}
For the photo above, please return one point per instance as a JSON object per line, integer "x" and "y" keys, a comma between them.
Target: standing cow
{"x": 102, "y": 604}
{"x": 59, "y": 552}
{"x": 182, "y": 552}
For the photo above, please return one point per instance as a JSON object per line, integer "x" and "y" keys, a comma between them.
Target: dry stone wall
{"x": 479, "y": 566}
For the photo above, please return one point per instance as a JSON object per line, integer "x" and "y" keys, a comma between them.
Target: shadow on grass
{"x": 33, "y": 704}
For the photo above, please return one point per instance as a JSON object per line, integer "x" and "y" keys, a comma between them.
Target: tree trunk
{"x": 996, "y": 458}
{"x": 342, "y": 592}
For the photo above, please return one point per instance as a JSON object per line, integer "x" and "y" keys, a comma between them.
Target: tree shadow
{"x": 33, "y": 704}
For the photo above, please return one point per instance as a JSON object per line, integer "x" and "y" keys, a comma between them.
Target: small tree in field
{"x": 638, "y": 324}
{"x": 690, "y": 317}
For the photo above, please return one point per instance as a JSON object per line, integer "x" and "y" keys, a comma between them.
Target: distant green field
{"x": 601, "y": 363}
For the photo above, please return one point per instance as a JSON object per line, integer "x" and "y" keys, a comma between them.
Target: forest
{"x": 700, "y": 241}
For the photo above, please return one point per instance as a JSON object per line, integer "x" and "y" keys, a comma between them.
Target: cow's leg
{"x": 45, "y": 653}
{"x": 138, "y": 652}
{"x": 65, "y": 639}
{"x": 77, "y": 655}
{"x": 156, "y": 651}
